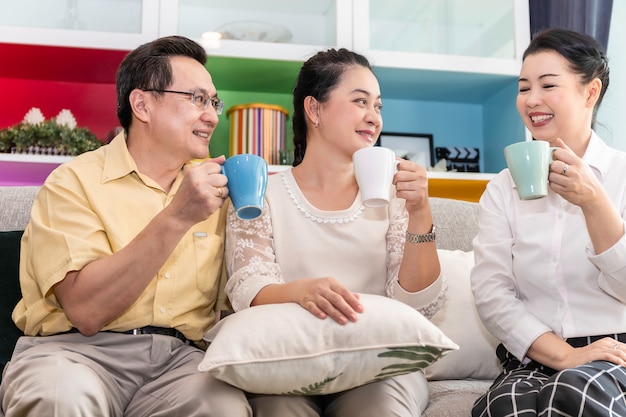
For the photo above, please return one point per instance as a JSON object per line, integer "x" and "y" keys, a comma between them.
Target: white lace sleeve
{"x": 250, "y": 259}
{"x": 395, "y": 249}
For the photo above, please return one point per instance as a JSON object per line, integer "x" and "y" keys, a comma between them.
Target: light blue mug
{"x": 247, "y": 181}
{"x": 529, "y": 165}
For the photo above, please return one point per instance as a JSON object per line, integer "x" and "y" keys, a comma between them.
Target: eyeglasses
{"x": 199, "y": 99}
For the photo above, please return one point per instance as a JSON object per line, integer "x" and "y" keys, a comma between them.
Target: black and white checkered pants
{"x": 595, "y": 389}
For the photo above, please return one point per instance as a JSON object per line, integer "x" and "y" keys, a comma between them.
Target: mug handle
{"x": 552, "y": 149}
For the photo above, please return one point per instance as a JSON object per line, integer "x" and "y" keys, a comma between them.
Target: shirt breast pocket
{"x": 534, "y": 225}
{"x": 209, "y": 256}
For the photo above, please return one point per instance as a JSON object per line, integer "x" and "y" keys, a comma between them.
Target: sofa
{"x": 455, "y": 380}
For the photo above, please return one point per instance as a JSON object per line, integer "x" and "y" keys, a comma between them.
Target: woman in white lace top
{"x": 317, "y": 245}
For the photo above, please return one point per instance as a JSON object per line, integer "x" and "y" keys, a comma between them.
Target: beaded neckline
{"x": 317, "y": 219}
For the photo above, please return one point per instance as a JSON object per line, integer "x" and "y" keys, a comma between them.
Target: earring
{"x": 317, "y": 123}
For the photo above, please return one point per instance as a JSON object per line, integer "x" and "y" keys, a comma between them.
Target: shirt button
{"x": 162, "y": 309}
{"x": 167, "y": 275}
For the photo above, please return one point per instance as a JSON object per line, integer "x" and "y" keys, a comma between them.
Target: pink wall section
{"x": 52, "y": 79}
{"x": 93, "y": 105}
{"x": 55, "y": 78}
{"x": 24, "y": 173}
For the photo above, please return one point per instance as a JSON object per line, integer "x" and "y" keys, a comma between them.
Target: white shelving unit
{"x": 426, "y": 51}
{"x": 42, "y": 159}
{"x": 102, "y": 24}
{"x": 313, "y": 25}
{"x": 438, "y": 50}
{"x": 25, "y": 169}
{"x": 444, "y": 35}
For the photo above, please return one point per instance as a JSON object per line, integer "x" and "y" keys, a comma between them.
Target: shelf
{"x": 57, "y": 160}
{"x": 20, "y": 169}
{"x": 23, "y": 169}
{"x": 35, "y": 159}
{"x": 467, "y": 186}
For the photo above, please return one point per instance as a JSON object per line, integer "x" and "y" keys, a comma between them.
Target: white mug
{"x": 374, "y": 168}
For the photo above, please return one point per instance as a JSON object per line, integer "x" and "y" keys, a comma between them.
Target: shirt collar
{"x": 117, "y": 161}
{"x": 597, "y": 155}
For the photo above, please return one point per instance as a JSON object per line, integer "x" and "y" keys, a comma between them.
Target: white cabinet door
{"x": 108, "y": 24}
{"x": 476, "y": 36}
{"x": 269, "y": 29}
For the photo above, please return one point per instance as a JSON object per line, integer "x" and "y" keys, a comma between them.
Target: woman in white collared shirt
{"x": 550, "y": 274}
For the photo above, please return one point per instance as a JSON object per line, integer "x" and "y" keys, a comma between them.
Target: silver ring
{"x": 616, "y": 346}
{"x": 565, "y": 167}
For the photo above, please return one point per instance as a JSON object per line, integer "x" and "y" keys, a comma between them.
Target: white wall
{"x": 611, "y": 118}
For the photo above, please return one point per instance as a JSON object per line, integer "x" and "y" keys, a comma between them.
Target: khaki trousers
{"x": 401, "y": 396}
{"x": 112, "y": 374}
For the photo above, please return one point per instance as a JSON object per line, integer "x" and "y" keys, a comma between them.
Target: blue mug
{"x": 247, "y": 181}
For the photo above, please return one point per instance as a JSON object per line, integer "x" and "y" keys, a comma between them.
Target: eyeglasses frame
{"x": 216, "y": 103}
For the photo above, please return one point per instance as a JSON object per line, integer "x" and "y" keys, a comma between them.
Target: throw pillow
{"x": 458, "y": 318}
{"x": 284, "y": 349}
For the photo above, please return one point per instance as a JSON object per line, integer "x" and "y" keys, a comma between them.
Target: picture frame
{"x": 417, "y": 147}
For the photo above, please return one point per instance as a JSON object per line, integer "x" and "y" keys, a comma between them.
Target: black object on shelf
{"x": 459, "y": 159}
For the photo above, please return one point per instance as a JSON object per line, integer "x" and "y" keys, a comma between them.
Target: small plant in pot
{"x": 57, "y": 136}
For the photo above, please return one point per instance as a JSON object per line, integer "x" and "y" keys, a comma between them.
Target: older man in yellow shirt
{"x": 122, "y": 262}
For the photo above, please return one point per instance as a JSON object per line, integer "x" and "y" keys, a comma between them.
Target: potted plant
{"x": 57, "y": 136}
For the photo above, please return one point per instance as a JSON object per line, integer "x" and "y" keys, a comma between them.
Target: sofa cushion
{"x": 459, "y": 320}
{"x": 457, "y": 223}
{"x": 15, "y": 205}
{"x": 9, "y": 292}
{"x": 284, "y": 349}
{"x": 453, "y": 398}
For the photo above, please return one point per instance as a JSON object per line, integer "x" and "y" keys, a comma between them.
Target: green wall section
{"x": 244, "y": 74}
{"x": 242, "y": 81}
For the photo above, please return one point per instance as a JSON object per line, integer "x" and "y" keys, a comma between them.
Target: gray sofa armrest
{"x": 15, "y": 204}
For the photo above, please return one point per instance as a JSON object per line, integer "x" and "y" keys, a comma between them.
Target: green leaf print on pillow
{"x": 419, "y": 357}
{"x": 317, "y": 388}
